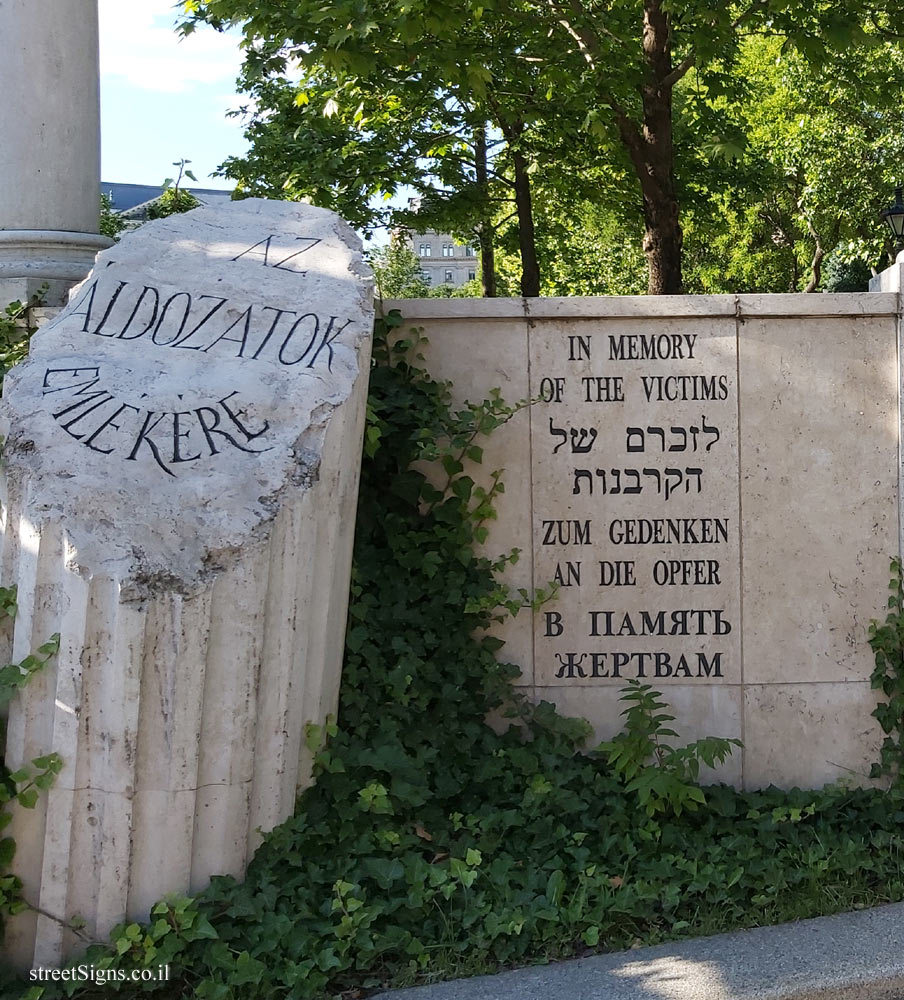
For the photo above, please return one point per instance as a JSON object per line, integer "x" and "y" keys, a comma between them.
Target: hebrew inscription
{"x": 635, "y": 473}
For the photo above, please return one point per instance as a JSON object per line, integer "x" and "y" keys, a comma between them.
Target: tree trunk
{"x": 653, "y": 156}
{"x": 662, "y": 243}
{"x": 819, "y": 254}
{"x": 485, "y": 229}
{"x": 487, "y": 262}
{"x": 815, "y": 269}
{"x": 530, "y": 269}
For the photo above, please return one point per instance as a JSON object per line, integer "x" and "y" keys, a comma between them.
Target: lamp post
{"x": 893, "y": 217}
{"x": 890, "y": 280}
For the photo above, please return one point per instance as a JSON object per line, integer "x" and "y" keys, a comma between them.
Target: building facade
{"x": 443, "y": 260}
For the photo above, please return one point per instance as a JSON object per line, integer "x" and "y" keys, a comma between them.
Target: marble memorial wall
{"x": 712, "y": 482}
{"x": 635, "y": 495}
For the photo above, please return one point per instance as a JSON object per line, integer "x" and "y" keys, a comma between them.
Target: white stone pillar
{"x": 49, "y": 145}
{"x": 889, "y": 280}
{"x": 181, "y": 473}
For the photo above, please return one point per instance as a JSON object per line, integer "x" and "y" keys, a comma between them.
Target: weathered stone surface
{"x": 165, "y": 413}
{"x": 181, "y": 471}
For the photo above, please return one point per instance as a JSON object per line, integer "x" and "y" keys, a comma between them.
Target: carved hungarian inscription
{"x": 101, "y": 421}
{"x": 179, "y": 319}
{"x": 635, "y": 478}
{"x": 186, "y": 389}
{"x": 141, "y": 320}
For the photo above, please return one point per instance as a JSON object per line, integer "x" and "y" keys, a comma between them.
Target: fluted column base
{"x": 180, "y": 718}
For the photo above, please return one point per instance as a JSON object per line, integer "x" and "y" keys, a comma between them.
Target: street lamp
{"x": 893, "y": 217}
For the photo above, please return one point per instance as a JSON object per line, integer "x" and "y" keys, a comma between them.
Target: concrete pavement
{"x": 850, "y": 956}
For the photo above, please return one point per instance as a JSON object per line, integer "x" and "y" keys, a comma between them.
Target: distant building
{"x": 132, "y": 200}
{"x": 443, "y": 260}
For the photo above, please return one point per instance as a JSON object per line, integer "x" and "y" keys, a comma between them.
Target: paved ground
{"x": 852, "y": 956}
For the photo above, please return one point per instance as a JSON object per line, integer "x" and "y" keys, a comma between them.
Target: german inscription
{"x": 635, "y": 473}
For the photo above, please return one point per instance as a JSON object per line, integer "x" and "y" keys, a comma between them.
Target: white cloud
{"x": 139, "y": 45}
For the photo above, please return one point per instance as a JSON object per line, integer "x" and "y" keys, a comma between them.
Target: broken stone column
{"x": 181, "y": 468}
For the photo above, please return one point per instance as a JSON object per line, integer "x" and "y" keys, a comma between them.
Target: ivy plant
{"x": 16, "y": 327}
{"x": 24, "y": 784}
{"x": 886, "y": 640}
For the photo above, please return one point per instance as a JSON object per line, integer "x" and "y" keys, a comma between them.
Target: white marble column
{"x": 49, "y": 145}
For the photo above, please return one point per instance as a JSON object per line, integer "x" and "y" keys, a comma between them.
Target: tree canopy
{"x": 652, "y": 117}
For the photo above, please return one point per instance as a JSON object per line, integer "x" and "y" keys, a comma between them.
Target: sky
{"x": 163, "y": 99}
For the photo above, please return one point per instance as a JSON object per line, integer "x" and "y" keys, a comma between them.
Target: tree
{"x": 641, "y": 58}
{"x": 639, "y": 87}
{"x": 798, "y": 165}
{"x": 350, "y": 148}
{"x": 417, "y": 108}
{"x": 823, "y": 148}
{"x": 583, "y": 248}
{"x": 397, "y": 272}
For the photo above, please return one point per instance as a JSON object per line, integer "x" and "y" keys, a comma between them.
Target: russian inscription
{"x": 636, "y": 493}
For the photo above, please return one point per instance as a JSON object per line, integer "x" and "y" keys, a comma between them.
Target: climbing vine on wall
{"x": 886, "y": 640}
{"x": 24, "y": 784}
{"x": 16, "y": 327}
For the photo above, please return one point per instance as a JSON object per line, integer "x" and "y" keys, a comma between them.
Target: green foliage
{"x": 338, "y": 144}
{"x": 822, "y": 152}
{"x": 16, "y": 329}
{"x": 664, "y": 777}
{"x": 172, "y": 202}
{"x": 25, "y": 784}
{"x": 779, "y": 106}
{"x": 469, "y": 290}
{"x": 111, "y": 222}
{"x": 15, "y": 676}
{"x": 586, "y": 246}
{"x": 847, "y": 275}
{"x": 887, "y": 643}
{"x": 23, "y": 787}
{"x": 397, "y": 272}
{"x": 174, "y": 182}
{"x": 174, "y": 199}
